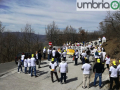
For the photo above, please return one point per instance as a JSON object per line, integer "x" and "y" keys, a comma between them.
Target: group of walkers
{"x": 57, "y": 58}
{"x": 29, "y": 62}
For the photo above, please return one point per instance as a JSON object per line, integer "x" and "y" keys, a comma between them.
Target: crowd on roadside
{"x": 57, "y": 58}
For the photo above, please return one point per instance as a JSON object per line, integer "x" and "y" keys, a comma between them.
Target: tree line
{"x": 13, "y": 43}
{"x": 69, "y": 34}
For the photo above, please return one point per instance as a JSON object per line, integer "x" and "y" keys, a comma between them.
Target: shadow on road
{"x": 97, "y": 83}
{"x": 39, "y": 73}
{"x": 72, "y": 79}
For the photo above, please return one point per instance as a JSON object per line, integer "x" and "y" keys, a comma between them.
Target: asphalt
{"x": 20, "y": 81}
{"x": 5, "y": 67}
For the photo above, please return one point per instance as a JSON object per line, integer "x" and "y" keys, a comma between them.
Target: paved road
{"x": 7, "y": 66}
{"x": 43, "y": 81}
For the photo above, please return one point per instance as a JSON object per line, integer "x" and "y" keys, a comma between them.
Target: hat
{"x": 64, "y": 50}
{"x": 98, "y": 60}
{"x": 114, "y": 63}
{"x": 85, "y": 58}
{"x": 119, "y": 61}
{"x": 44, "y": 47}
{"x": 52, "y": 59}
{"x": 32, "y": 55}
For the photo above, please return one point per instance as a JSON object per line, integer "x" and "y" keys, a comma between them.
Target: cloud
{"x": 39, "y": 13}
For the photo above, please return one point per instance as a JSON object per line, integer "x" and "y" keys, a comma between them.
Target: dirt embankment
{"x": 112, "y": 47}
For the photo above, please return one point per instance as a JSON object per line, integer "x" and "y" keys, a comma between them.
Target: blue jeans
{"x": 19, "y": 67}
{"x": 48, "y": 57}
{"x": 33, "y": 67}
{"x": 22, "y": 62}
{"x": 100, "y": 78}
{"x": 25, "y": 69}
{"x": 83, "y": 60}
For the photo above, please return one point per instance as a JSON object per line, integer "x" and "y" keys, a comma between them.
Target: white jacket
{"x": 63, "y": 67}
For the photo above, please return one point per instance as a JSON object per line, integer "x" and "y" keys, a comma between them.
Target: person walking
{"x": 63, "y": 69}
{"x": 48, "y": 52}
{"x": 83, "y": 57}
{"x": 113, "y": 73}
{"x": 53, "y": 66}
{"x": 107, "y": 59}
{"x": 76, "y": 56}
{"x": 86, "y": 73}
{"x": 88, "y": 53}
{"x": 19, "y": 64}
{"x": 36, "y": 57}
{"x": 64, "y": 55}
{"x": 29, "y": 64}
{"x": 25, "y": 64}
{"x": 98, "y": 70}
{"x": 39, "y": 58}
{"x": 33, "y": 66}
{"x": 57, "y": 56}
{"x": 44, "y": 52}
{"x": 96, "y": 55}
{"x": 53, "y": 52}
{"x": 22, "y": 59}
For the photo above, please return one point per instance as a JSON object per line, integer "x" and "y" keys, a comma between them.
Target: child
{"x": 29, "y": 64}
{"x": 25, "y": 65}
{"x": 19, "y": 64}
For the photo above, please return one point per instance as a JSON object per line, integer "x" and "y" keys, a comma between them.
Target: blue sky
{"x": 15, "y": 14}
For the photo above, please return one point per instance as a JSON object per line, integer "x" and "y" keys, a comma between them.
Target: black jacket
{"x": 39, "y": 55}
{"x": 98, "y": 68}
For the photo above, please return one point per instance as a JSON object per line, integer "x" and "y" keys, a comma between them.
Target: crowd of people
{"x": 57, "y": 58}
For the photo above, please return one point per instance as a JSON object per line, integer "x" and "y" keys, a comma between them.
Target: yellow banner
{"x": 70, "y": 51}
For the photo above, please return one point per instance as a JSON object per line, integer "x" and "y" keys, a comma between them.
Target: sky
{"x": 15, "y": 14}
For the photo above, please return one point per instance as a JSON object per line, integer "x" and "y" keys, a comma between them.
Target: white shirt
{"x": 25, "y": 63}
{"x": 76, "y": 55}
{"x": 44, "y": 50}
{"x": 103, "y": 38}
{"x": 33, "y": 61}
{"x": 64, "y": 54}
{"x": 86, "y": 68}
{"x": 63, "y": 67}
{"x": 22, "y": 57}
{"x": 107, "y": 60}
{"x": 118, "y": 67}
{"x": 53, "y": 66}
{"x": 84, "y": 54}
{"x": 53, "y": 53}
{"x": 37, "y": 56}
{"x": 48, "y": 51}
{"x": 104, "y": 53}
{"x": 29, "y": 62}
{"x": 99, "y": 39}
{"x": 113, "y": 71}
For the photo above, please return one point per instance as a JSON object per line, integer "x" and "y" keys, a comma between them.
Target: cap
{"x": 85, "y": 58}
{"x": 32, "y": 55}
{"x": 52, "y": 59}
{"x": 44, "y": 47}
{"x": 114, "y": 63}
{"x": 98, "y": 60}
{"x": 64, "y": 50}
{"x": 119, "y": 61}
